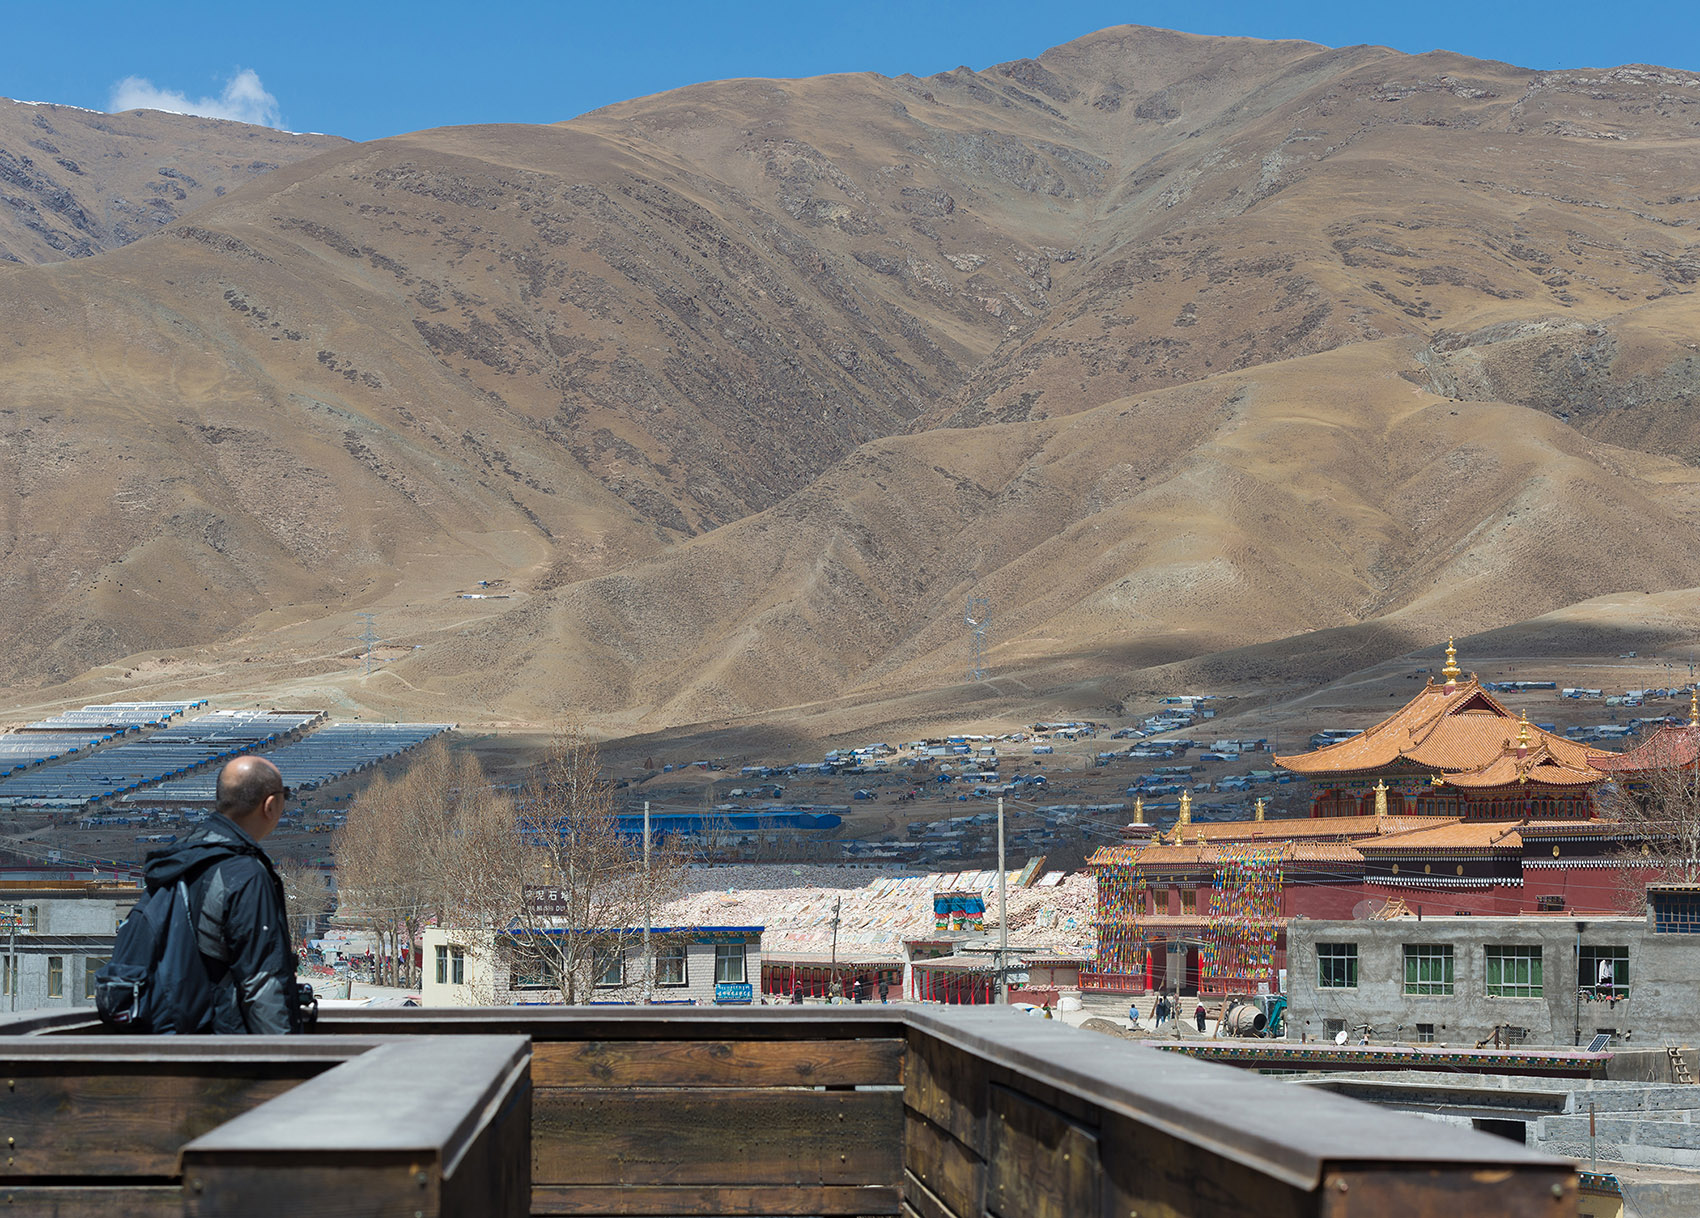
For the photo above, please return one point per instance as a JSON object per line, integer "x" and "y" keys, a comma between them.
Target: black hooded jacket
{"x": 241, "y": 925}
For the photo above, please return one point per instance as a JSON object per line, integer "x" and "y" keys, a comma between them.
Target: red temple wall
{"x": 1588, "y": 889}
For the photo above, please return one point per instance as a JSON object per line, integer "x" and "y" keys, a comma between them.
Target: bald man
{"x": 241, "y": 923}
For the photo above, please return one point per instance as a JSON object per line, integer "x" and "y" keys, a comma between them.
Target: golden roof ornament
{"x": 1523, "y": 736}
{"x": 1139, "y": 810}
{"x": 1186, "y": 809}
{"x": 1260, "y": 809}
{"x": 1451, "y": 672}
{"x": 1694, "y": 707}
{"x": 1380, "y": 799}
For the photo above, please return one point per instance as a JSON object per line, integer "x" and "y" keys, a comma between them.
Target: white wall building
{"x": 52, "y": 940}
{"x": 700, "y": 965}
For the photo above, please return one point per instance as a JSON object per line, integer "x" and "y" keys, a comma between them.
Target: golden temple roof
{"x": 1194, "y": 854}
{"x": 1666, "y": 749}
{"x": 1341, "y": 827}
{"x": 1460, "y": 732}
{"x": 1461, "y": 835}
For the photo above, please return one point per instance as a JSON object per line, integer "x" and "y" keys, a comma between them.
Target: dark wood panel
{"x": 954, "y": 1175}
{"x": 119, "y": 1201}
{"x": 415, "y": 1126}
{"x": 919, "y": 1201}
{"x": 649, "y": 1137}
{"x": 1040, "y": 1164}
{"x": 279, "y": 1188}
{"x": 1151, "y": 1172}
{"x": 493, "y": 1175}
{"x": 1448, "y": 1192}
{"x": 697, "y": 1200}
{"x": 126, "y": 1125}
{"x": 718, "y": 1063}
{"x": 947, "y": 1085}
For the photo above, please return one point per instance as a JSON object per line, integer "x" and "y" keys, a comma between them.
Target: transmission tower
{"x": 369, "y": 636}
{"x": 977, "y": 616}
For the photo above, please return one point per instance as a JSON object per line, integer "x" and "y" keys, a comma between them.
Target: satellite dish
{"x": 1340, "y": 1037}
{"x": 1364, "y": 910}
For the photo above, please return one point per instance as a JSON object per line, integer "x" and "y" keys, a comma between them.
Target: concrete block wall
{"x": 1662, "y": 1004}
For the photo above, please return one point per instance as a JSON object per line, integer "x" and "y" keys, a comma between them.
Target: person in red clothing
{"x": 1199, "y": 1015}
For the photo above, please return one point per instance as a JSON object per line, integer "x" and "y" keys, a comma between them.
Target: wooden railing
{"x": 821, "y": 1111}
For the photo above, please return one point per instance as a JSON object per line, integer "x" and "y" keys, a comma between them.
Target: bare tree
{"x": 307, "y": 894}
{"x": 1662, "y": 805}
{"x": 551, "y": 876}
{"x": 393, "y": 853}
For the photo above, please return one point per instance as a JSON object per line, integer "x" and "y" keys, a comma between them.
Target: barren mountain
{"x": 1170, "y": 346}
{"x": 75, "y": 182}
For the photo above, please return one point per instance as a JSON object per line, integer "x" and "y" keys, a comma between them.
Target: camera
{"x": 306, "y": 1006}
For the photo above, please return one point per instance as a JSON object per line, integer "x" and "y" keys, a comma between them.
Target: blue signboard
{"x": 732, "y": 991}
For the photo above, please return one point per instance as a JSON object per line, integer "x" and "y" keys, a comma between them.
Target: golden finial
{"x": 1694, "y": 707}
{"x": 1139, "y": 810}
{"x": 1523, "y": 735}
{"x": 1450, "y": 672}
{"x": 1186, "y": 808}
{"x": 1380, "y": 799}
{"x": 1260, "y": 809}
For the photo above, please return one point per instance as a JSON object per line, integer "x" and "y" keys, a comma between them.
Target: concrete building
{"x": 697, "y": 965}
{"x": 52, "y": 939}
{"x": 1538, "y": 980}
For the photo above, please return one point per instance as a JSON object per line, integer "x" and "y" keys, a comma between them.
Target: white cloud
{"x": 244, "y": 100}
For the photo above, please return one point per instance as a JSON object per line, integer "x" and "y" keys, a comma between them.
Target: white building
{"x": 52, "y": 941}
{"x": 699, "y": 965}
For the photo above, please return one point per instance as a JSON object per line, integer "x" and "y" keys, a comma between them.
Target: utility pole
{"x": 833, "y": 984}
{"x": 369, "y": 636}
{"x": 1003, "y": 917}
{"x": 1580, "y": 927}
{"x": 975, "y": 615}
{"x": 648, "y": 959}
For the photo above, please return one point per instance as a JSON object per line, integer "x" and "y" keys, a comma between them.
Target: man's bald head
{"x": 244, "y": 785}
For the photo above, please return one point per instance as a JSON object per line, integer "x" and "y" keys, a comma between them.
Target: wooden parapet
{"x": 920, "y": 1112}
{"x": 441, "y": 1125}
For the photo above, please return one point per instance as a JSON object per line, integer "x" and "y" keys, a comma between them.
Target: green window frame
{"x": 1429, "y": 969}
{"x": 1514, "y": 971}
{"x": 1336, "y": 966}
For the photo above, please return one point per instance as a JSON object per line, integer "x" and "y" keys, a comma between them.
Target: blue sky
{"x": 366, "y": 70}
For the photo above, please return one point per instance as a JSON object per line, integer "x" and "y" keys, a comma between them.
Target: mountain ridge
{"x": 738, "y": 391}
{"x": 79, "y": 182}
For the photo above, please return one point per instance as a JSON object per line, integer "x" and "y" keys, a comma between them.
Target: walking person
{"x": 1199, "y": 1015}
